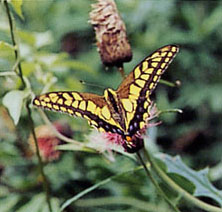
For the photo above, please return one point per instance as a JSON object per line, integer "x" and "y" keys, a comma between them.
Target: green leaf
{"x": 13, "y": 101}
{"x": 8, "y": 203}
{"x": 8, "y": 154}
{"x": 27, "y": 37}
{"x": 55, "y": 206}
{"x": 28, "y": 67}
{"x": 17, "y": 5}
{"x": 203, "y": 187}
{"x": 183, "y": 182}
{"x": 35, "y": 204}
{"x": 6, "y": 50}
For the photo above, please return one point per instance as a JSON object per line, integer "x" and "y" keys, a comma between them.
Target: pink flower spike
{"x": 104, "y": 141}
{"x": 114, "y": 138}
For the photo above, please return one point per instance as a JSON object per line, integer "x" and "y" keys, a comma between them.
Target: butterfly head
{"x": 133, "y": 143}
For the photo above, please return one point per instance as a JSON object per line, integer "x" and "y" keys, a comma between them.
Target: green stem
{"x": 134, "y": 203}
{"x": 14, "y": 42}
{"x": 215, "y": 173}
{"x": 7, "y": 73}
{"x": 169, "y": 111}
{"x": 178, "y": 189}
{"x": 41, "y": 169}
{"x": 95, "y": 186}
{"x": 161, "y": 193}
{"x": 20, "y": 74}
{"x": 121, "y": 71}
{"x": 170, "y": 84}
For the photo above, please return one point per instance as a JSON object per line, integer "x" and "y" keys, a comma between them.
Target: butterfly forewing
{"x": 136, "y": 89}
{"x": 89, "y": 106}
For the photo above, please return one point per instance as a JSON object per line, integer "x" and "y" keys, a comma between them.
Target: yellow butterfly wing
{"x": 90, "y": 106}
{"x": 135, "y": 90}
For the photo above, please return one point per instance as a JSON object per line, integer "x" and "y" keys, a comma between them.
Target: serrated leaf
{"x": 17, "y": 5}
{"x": 13, "y": 102}
{"x": 203, "y": 187}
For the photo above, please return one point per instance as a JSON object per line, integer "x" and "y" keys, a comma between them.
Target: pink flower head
{"x": 47, "y": 141}
{"x": 113, "y": 138}
{"x": 47, "y": 149}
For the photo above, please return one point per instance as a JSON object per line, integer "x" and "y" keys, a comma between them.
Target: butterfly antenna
{"x": 91, "y": 84}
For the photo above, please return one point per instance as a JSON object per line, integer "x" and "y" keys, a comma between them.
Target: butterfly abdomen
{"x": 133, "y": 143}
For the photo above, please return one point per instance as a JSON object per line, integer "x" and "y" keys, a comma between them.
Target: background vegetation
{"x": 57, "y": 50}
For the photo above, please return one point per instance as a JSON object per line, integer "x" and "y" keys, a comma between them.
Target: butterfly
{"x": 124, "y": 111}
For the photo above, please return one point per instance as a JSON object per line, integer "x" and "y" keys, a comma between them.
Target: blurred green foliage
{"x": 57, "y": 49}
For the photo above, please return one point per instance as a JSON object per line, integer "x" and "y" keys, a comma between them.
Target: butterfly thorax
{"x": 132, "y": 143}
{"x": 115, "y": 107}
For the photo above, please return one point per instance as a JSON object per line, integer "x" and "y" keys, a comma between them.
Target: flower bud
{"x": 110, "y": 30}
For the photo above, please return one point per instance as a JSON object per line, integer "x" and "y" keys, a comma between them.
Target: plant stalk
{"x": 14, "y": 42}
{"x": 121, "y": 71}
{"x": 159, "y": 190}
{"x": 190, "y": 198}
{"x": 20, "y": 74}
